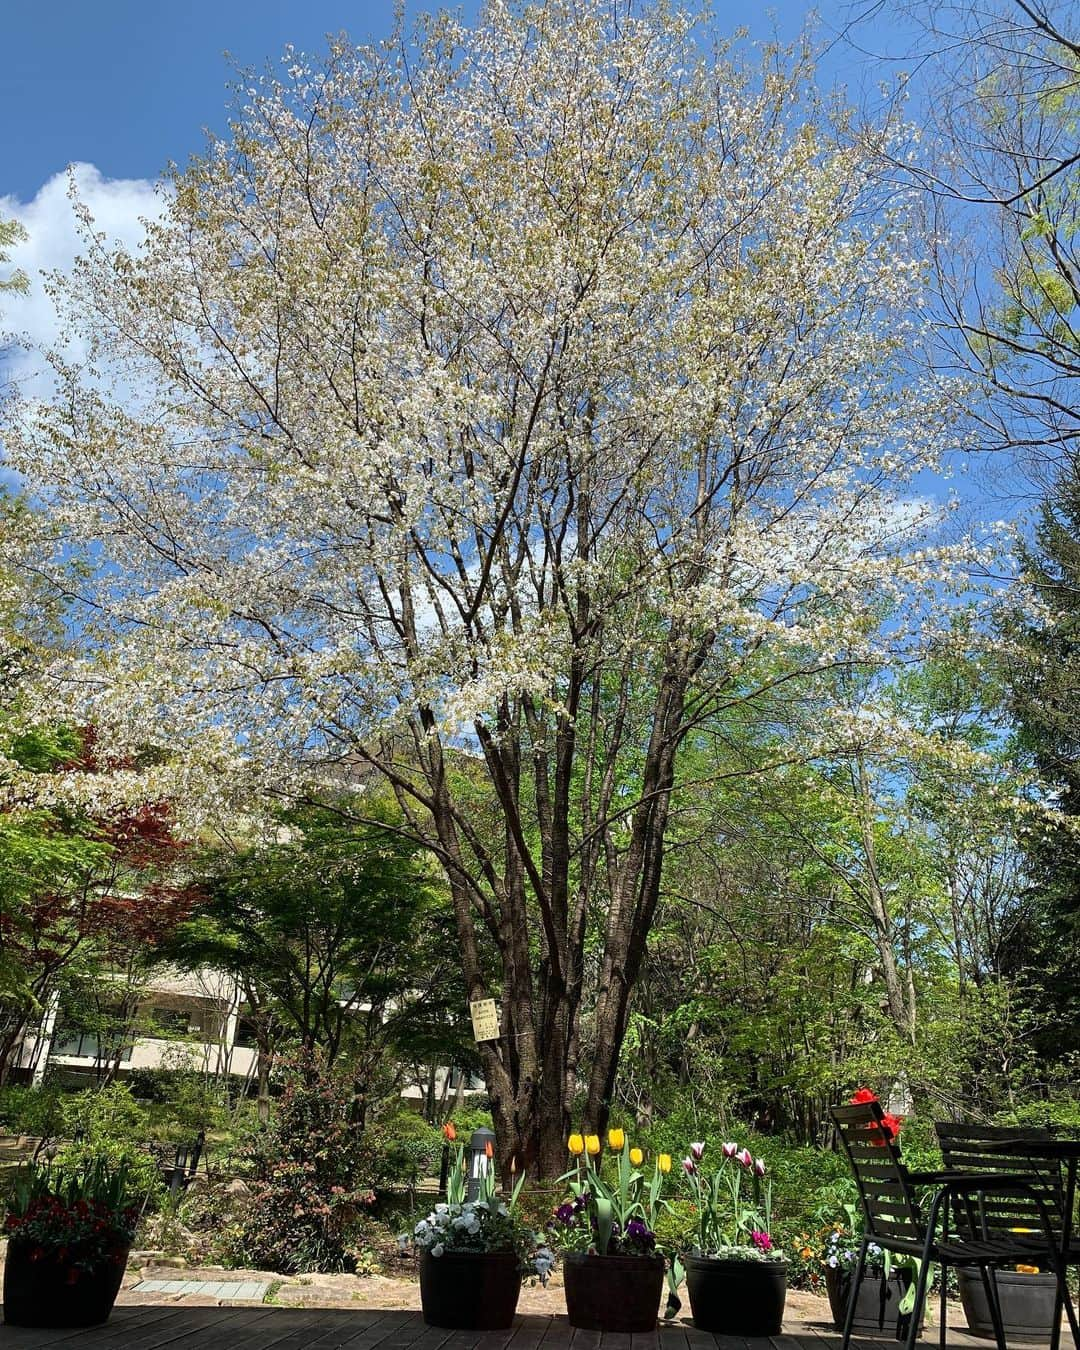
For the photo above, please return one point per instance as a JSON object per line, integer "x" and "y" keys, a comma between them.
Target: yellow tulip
{"x": 615, "y": 1139}
{"x": 637, "y": 1157}
{"x": 592, "y": 1145}
{"x": 576, "y": 1145}
{"x": 663, "y": 1161}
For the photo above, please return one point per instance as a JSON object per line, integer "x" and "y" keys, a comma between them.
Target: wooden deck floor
{"x": 172, "y": 1327}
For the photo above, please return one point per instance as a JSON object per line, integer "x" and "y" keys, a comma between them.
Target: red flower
{"x": 449, "y": 1131}
{"x": 863, "y": 1096}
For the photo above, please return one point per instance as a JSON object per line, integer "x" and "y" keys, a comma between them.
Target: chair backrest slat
{"x": 888, "y": 1202}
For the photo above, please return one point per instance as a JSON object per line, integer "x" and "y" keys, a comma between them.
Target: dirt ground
{"x": 372, "y": 1291}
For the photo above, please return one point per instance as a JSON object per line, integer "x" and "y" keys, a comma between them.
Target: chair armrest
{"x": 971, "y": 1180}
{"x": 989, "y": 1184}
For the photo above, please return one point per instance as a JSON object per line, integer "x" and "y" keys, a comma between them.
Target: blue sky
{"x": 127, "y": 85}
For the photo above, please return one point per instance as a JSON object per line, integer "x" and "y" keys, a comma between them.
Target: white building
{"x": 194, "y": 1021}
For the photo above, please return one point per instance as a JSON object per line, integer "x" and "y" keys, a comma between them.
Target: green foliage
{"x": 110, "y": 1189}
{"x": 108, "y": 1113}
{"x": 107, "y": 1127}
{"x": 399, "y": 1149}
{"x": 185, "y": 1098}
{"x": 342, "y": 937}
{"x": 30, "y": 1111}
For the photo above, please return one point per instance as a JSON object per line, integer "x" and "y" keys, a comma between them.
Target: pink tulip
{"x": 689, "y": 1165}
{"x": 746, "y": 1158}
{"x": 759, "y": 1166}
{"x": 697, "y": 1151}
{"x": 730, "y": 1150}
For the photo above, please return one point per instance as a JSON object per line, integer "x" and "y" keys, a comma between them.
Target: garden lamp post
{"x": 481, "y": 1157}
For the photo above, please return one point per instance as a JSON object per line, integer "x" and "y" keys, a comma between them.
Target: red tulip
{"x": 863, "y": 1096}
{"x": 449, "y": 1131}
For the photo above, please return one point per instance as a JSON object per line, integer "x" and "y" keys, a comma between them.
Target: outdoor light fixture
{"x": 481, "y": 1157}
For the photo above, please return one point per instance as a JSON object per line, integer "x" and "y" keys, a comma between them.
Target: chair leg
{"x": 943, "y": 1333}
{"x": 990, "y": 1285}
{"x": 856, "y": 1280}
{"x": 921, "y": 1286}
{"x": 1061, "y": 1300}
{"x": 1062, "y": 1297}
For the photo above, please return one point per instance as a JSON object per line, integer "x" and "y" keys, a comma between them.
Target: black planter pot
{"x": 42, "y": 1289}
{"x": 1027, "y": 1304}
{"x": 876, "y": 1306}
{"x": 472, "y": 1291}
{"x": 613, "y": 1293}
{"x": 737, "y": 1298}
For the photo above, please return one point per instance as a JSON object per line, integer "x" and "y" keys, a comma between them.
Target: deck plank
{"x": 531, "y": 1330}
{"x": 136, "y": 1327}
{"x": 375, "y": 1328}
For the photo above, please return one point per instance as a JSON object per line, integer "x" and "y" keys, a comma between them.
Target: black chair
{"x": 894, "y": 1220}
{"x": 970, "y": 1148}
{"x": 962, "y": 1150}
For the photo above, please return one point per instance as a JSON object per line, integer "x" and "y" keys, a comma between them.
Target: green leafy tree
{"x": 341, "y": 940}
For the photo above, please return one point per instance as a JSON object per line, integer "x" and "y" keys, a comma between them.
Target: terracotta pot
{"x": 54, "y": 1291}
{"x": 1027, "y": 1304}
{"x": 876, "y": 1306}
{"x": 737, "y": 1298}
{"x": 613, "y": 1293}
{"x": 472, "y": 1291}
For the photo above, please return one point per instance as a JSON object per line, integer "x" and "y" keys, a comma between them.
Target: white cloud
{"x": 117, "y": 206}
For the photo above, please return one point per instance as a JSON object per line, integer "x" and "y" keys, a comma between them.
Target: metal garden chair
{"x": 894, "y": 1220}
{"x": 1037, "y": 1154}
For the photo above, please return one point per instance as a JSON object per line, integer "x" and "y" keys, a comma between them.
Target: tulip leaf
{"x": 604, "y": 1215}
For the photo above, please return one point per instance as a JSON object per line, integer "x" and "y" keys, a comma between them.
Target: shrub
{"x": 27, "y": 1110}
{"x": 108, "y": 1113}
{"x": 399, "y": 1149}
{"x": 304, "y": 1167}
{"x": 187, "y": 1100}
{"x": 106, "y": 1127}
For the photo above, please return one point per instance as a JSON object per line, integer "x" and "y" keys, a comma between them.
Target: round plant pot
{"x": 1027, "y": 1304}
{"x": 471, "y": 1291}
{"x": 876, "y": 1306}
{"x": 612, "y": 1293}
{"x": 736, "y": 1298}
{"x": 43, "y": 1289}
